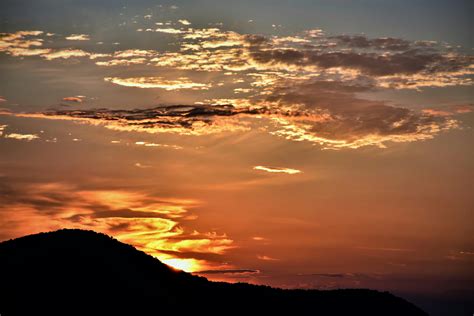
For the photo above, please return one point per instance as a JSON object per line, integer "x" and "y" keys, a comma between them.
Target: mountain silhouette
{"x": 77, "y": 272}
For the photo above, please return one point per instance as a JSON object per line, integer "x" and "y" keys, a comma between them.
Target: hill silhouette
{"x": 77, "y": 272}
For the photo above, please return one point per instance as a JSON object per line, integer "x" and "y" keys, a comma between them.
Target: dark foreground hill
{"x": 86, "y": 273}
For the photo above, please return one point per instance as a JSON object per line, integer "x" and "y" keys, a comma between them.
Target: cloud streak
{"x": 158, "y": 83}
{"x": 277, "y": 170}
{"x": 18, "y": 136}
{"x": 78, "y": 37}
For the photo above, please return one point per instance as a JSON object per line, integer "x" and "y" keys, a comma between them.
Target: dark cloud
{"x": 373, "y": 57}
{"x": 351, "y": 118}
{"x": 385, "y": 43}
{"x": 326, "y": 112}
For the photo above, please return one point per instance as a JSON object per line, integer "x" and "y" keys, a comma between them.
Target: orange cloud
{"x": 77, "y": 99}
{"x": 151, "y": 224}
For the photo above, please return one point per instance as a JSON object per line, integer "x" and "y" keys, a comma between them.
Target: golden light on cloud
{"x": 277, "y": 170}
{"x": 18, "y": 136}
{"x": 169, "y": 30}
{"x": 149, "y": 223}
{"x": 78, "y": 37}
{"x": 158, "y": 83}
{"x": 65, "y": 54}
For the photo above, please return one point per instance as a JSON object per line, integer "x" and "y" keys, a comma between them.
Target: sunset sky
{"x": 298, "y": 144}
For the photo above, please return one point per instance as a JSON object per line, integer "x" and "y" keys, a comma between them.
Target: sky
{"x": 302, "y": 144}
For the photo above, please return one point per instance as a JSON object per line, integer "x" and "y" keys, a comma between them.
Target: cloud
{"x": 21, "y": 43}
{"x": 184, "y": 22}
{"x": 324, "y": 113}
{"x": 19, "y": 52}
{"x": 76, "y": 99}
{"x": 302, "y": 87}
{"x": 3, "y": 99}
{"x": 465, "y": 108}
{"x": 2, "y": 128}
{"x": 134, "y": 53}
{"x": 382, "y": 43}
{"x": 385, "y": 62}
{"x": 122, "y": 62}
{"x": 78, "y": 37}
{"x": 148, "y": 144}
{"x": 277, "y": 170}
{"x": 184, "y": 120}
{"x": 158, "y": 83}
{"x": 266, "y": 258}
{"x": 18, "y": 136}
{"x": 150, "y": 223}
{"x": 169, "y": 30}
{"x": 65, "y": 54}
{"x": 142, "y": 166}
{"x": 331, "y": 115}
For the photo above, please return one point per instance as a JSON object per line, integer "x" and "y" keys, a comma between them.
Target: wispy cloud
{"x": 266, "y": 258}
{"x": 18, "y": 136}
{"x": 148, "y": 144}
{"x": 158, "y": 83}
{"x": 76, "y": 99}
{"x": 65, "y": 54}
{"x": 277, "y": 170}
{"x": 184, "y": 22}
{"x": 150, "y": 223}
{"x": 78, "y": 37}
{"x": 169, "y": 30}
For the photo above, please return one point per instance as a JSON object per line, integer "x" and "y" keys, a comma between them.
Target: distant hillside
{"x": 76, "y": 272}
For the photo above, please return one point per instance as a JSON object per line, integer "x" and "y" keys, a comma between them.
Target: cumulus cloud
{"x": 277, "y": 170}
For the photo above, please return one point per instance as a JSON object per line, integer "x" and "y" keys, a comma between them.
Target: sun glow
{"x": 187, "y": 265}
